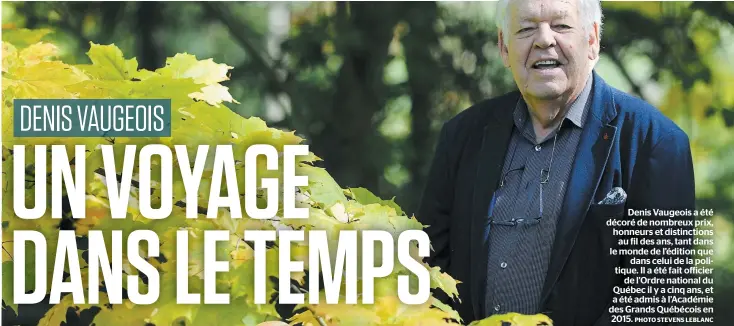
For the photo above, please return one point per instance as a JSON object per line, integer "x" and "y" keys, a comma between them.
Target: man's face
{"x": 548, "y": 51}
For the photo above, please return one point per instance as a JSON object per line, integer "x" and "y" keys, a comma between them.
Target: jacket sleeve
{"x": 436, "y": 201}
{"x": 669, "y": 180}
{"x": 670, "y": 187}
{"x": 664, "y": 181}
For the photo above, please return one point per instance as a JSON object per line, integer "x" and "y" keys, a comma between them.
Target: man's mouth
{"x": 546, "y": 64}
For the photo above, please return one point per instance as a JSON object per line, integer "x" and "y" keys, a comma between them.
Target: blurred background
{"x": 370, "y": 84}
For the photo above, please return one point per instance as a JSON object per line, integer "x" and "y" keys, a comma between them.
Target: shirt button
{"x": 537, "y": 148}
{"x": 503, "y": 265}
{"x": 497, "y": 308}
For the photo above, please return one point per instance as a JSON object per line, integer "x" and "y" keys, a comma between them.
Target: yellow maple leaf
{"x": 184, "y": 65}
{"x": 214, "y": 95}
{"x": 338, "y": 314}
{"x": 38, "y": 52}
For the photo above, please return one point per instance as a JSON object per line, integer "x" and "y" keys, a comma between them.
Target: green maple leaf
{"x": 322, "y": 188}
{"x": 94, "y": 89}
{"x": 126, "y": 313}
{"x": 444, "y": 282}
{"x": 241, "y": 280}
{"x": 8, "y": 285}
{"x": 446, "y": 309}
{"x": 317, "y": 220}
{"x": 23, "y": 37}
{"x": 161, "y": 87}
{"x": 364, "y": 196}
{"x": 108, "y": 63}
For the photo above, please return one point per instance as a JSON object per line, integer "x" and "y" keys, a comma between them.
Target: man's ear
{"x": 594, "y": 47}
{"x": 503, "y": 49}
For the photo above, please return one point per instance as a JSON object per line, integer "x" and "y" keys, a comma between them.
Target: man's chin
{"x": 545, "y": 92}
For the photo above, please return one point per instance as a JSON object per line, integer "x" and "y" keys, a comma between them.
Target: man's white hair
{"x": 589, "y": 12}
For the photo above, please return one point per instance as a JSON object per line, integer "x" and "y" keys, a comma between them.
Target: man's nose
{"x": 545, "y": 37}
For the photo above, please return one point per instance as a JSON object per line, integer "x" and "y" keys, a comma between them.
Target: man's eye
{"x": 526, "y": 29}
{"x": 562, "y": 26}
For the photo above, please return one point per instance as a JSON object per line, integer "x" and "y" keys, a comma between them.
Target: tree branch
{"x": 278, "y": 80}
{"x": 614, "y": 56}
{"x": 244, "y": 35}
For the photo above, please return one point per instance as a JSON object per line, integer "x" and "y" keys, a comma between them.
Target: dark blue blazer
{"x": 625, "y": 143}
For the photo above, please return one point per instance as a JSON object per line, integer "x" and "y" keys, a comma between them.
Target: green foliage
{"x": 200, "y": 117}
{"x": 442, "y": 58}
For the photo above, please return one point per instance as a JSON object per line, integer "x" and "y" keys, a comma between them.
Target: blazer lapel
{"x": 490, "y": 160}
{"x": 591, "y": 158}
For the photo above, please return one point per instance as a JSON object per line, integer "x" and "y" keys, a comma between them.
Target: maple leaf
{"x": 23, "y": 37}
{"x": 184, "y": 65}
{"x": 108, "y": 63}
{"x": 38, "y": 52}
{"x": 57, "y": 314}
{"x": 43, "y": 80}
{"x": 214, "y": 95}
{"x": 322, "y": 188}
{"x": 125, "y": 313}
{"x": 10, "y": 57}
{"x": 8, "y": 284}
{"x": 337, "y": 314}
{"x": 366, "y": 197}
{"x": 444, "y": 282}
{"x": 199, "y": 117}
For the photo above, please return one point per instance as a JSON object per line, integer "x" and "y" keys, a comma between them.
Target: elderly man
{"x": 515, "y": 199}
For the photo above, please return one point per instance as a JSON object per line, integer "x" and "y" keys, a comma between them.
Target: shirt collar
{"x": 576, "y": 113}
